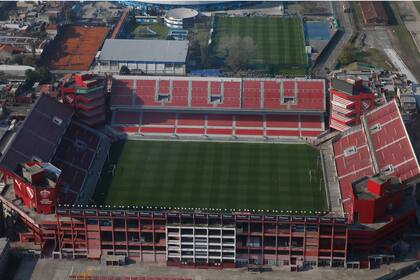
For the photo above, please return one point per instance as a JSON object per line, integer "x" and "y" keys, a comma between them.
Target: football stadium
{"x": 209, "y": 173}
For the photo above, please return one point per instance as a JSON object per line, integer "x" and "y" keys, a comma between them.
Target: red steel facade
{"x": 349, "y": 100}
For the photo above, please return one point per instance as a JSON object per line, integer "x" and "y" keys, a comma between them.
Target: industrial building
{"x": 165, "y": 57}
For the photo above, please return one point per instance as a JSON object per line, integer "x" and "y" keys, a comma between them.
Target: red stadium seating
{"x": 179, "y": 97}
{"x": 126, "y": 117}
{"x": 200, "y": 93}
{"x": 219, "y": 120}
{"x": 223, "y": 124}
{"x": 277, "y": 133}
{"x": 308, "y": 121}
{"x": 249, "y": 121}
{"x": 310, "y": 133}
{"x": 227, "y": 105}
{"x": 389, "y": 150}
{"x": 282, "y": 121}
{"x": 158, "y": 118}
{"x": 390, "y": 141}
{"x": 223, "y": 93}
{"x": 191, "y": 119}
{"x": 252, "y": 95}
{"x": 152, "y": 129}
{"x": 189, "y": 130}
{"x": 253, "y": 132}
{"x": 126, "y": 129}
{"x": 220, "y": 131}
{"x": 231, "y": 95}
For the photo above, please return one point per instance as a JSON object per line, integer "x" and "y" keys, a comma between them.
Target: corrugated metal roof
{"x": 144, "y": 50}
{"x": 40, "y": 134}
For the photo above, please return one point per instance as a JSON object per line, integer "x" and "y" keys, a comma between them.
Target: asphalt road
{"x": 329, "y": 57}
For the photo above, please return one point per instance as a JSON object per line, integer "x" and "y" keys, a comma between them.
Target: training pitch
{"x": 279, "y": 41}
{"x": 213, "y": 175}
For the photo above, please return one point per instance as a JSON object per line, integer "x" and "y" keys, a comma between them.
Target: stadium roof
{"x": 144, "y": 50}
{"x": 40, "y": 134}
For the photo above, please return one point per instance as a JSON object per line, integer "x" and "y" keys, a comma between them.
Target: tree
{"x": 249, "y": 49}
{"x": 2, "y": 77}
{"x": 18, "y": 59}
{"x": 44, "y": 75}
{"x": 237, "y": 51}
{"x": 348, "y": 55}
{"x": 68, "y": 12}
{"x": 28, "y": 60}
{"x": 31, "y": 77}
{"x": 41, "y": 75}
{"x": 124, "y": 70}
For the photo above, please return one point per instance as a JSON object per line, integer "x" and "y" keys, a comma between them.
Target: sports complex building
{"x": 211, "y": 172}
{"x": 156, "y": 56}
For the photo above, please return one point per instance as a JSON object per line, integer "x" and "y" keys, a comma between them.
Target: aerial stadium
{"x": 208, "y": 172}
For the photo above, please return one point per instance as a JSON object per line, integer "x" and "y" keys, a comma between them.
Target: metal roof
{"x": 144, "y": 51}
{"x": 181, "y": 13}
{"x": 40, "y": 134}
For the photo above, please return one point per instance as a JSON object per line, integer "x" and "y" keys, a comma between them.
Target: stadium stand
{"x": 218, "y": 106}
{"x": 217, "y": 124}
{"x": 226, "y": 93}
{"x": 57, "y": 138}
{"x": 379, "y": 145}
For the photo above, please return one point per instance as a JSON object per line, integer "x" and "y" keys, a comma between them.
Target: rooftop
{"x": 360, "y": 187}
{"x": 40, "y": 133}
{"x": 350, "y": 87}
{"x": 144, "y": 50}
{"x": 44, "y": 175}
{"x": 181, "y": 13}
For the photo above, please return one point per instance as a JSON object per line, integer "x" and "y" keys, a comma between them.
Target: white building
{"x": 148, "y": 56}
{"x": 15, "y": 70}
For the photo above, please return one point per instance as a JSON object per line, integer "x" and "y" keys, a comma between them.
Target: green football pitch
{"x": 219, "y": 175}
{"x": 279, "y": 41}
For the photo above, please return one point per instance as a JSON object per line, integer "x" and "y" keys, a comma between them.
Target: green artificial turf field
{"x": 279, "y": 41}
{"x": 213, "y": 175}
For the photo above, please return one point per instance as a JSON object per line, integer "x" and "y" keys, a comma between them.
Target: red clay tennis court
{"x": 76, "y": 47}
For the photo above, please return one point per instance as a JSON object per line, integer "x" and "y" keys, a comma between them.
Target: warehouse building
{"x": 144, "y": 56}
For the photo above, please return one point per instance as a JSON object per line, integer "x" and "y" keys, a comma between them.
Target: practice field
{"x": 213, "y": 175}
{"x": 279, "y": 41}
